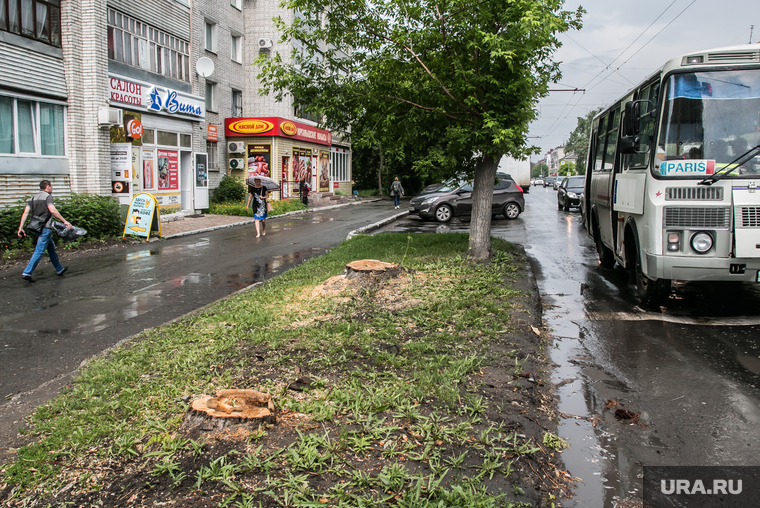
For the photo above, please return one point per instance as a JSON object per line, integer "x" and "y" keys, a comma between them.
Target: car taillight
{"x": 519, "y": 188}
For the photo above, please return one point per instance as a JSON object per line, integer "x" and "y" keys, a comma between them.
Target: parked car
{"x": 454, "y": 199}
{"x": 558, "y": 182}
{"x": 569, "y": 192}
{"x": 538, "y": 181}
{"x": 549, "y": 181}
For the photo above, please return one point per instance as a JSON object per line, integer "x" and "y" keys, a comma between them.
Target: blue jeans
{"x": 45, "y": 241}
{"x": 396, "y": 200}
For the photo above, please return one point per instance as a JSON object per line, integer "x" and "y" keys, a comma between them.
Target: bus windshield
{"x": 709, "y": 119}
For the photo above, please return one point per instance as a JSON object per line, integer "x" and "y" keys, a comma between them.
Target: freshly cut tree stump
{"x": 363, "y": 267}
{"x": 228, "y": 408}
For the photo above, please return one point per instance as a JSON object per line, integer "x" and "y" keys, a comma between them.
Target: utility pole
{"x": 751, "y": 29}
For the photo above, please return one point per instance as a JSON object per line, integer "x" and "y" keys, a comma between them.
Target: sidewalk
{"x": 193, "y": 224}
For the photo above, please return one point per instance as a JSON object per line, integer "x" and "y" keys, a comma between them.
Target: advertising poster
{"x": 121, "y": 154}
{"x": 136, "y": 164}
{"x": 143, "y": 216}
{"x": 259, "y": 159}
{"x": 148, "y": 170}
{"x": 324, "y": 171}
{"x": 302, "y": 161}
{"x": 168, "y": 169}
{"x": 286, "y": 186}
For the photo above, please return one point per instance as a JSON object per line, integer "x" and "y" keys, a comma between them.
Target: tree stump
{"x": 228, "y": 408}
{"x": 364, "y": 267}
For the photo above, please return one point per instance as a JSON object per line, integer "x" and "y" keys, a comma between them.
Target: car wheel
{"x": 511, "y": 211}
{"x": 443, "y": 213}
{"x": 651, "y": 291}
{"x": 559, "y": 205}
{"x": 566, "y": 206}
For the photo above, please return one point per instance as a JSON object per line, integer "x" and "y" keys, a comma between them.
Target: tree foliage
{"x": 577, "y": 144}
{"x": 539, "y": 169}
{"x": 457, "y": 81}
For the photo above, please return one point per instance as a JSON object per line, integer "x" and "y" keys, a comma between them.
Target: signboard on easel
{"x": 143, "y": 217}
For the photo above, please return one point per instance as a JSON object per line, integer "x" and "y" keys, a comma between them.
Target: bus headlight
{"x": 701, "y": 242}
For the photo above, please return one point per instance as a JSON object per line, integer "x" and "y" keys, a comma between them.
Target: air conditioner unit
{"x": 110, "y": 116}
{"x": 236, "y": 147}
{"x": 237, "y": 163}
{"x": 265, "y": 43}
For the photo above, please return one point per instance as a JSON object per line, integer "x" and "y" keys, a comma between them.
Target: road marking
{"x": 681, "y": 320}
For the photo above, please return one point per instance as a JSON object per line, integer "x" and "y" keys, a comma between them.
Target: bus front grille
{"x": 694, "y": 194}
{"x": 748, "y": 216}
{"x": 697, "y": 217}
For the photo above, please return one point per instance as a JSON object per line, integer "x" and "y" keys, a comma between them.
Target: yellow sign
{"x": 251, "y": 126}
{"x": 288, "y": 128}
{"x": 143, "y": 217}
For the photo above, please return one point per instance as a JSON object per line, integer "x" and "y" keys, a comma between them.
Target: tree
{"x": 577, "y": 144}
{"x": 539, "y": 169}
{"x": 567, "y": 168}
{"x": 459, "y": 79}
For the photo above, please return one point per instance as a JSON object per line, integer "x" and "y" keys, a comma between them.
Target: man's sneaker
{"x": 65, "y": 268}
{"x": 27, "y": 277}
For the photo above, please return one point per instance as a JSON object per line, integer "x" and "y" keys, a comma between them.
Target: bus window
{"x": 612, "y": 133}
{"x": 646, "y": 121}
{"x": 600, "y": 134}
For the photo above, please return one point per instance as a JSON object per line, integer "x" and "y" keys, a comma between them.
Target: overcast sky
{"x": 609, "y": 28}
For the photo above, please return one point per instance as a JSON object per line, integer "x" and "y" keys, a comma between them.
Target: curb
{"x": 375, "y": 225}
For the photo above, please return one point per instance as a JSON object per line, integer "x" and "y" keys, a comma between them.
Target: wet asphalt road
{"x": 691, "y": 368}
{"x": 48, "y": 328}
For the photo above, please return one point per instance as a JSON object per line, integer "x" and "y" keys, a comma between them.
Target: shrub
{"x": 369, "y": 192}
{"x": 230, "y": 190}
{"x": 339, "y": 192}
{"x": 99, "y": 215}
{"x": 238, "y": 208}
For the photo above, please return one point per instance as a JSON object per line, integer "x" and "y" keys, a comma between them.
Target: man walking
{"x": 396, "y": 191}
{"x": 42, "y": 206}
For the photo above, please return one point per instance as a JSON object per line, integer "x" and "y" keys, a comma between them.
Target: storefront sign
{"x": 275, "y": 126}
{"x": 168, "y": 169}
{"x": 212, "y": 133}
{"x": 259, "y": 159}
{"x": 155, "y": 98}
{"x": 134, "y": 129}
{"x": 143, "y": 216}
{"x": 120, "y": 187}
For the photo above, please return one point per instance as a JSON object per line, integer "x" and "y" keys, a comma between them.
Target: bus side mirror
{"x": 630, "y": 117}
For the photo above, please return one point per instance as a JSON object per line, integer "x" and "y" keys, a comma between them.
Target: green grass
{"x": 391, "y": 383}
{"x": 238, "y": 208}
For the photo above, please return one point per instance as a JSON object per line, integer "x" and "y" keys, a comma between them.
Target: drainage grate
{"x": 748, "y": 216}
{"x": 694, "y": 193}
{"x": 697, "y": 217}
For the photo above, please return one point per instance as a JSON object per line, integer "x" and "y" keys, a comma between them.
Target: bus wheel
{"x": 651, "y": 292}
{"x": 606, "y": 256}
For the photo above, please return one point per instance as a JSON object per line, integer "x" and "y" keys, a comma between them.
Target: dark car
{"x": 549, "y": 181}
{"x": 454, "y": 199}
{"x": 569, "y": 192}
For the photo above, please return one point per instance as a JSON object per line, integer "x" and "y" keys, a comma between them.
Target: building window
{"x": 237, "y": 4}
{"x": 237, "y": 104}
{"x": 213, "y": 155}
{"x": 210, "y": 36}
{"x": 35, "y": 19}
{"x": 300, "y": 112}
{"x": 210, "y": 96}
{"x": 339, "y": 159}
{"x": 236, "y": 45}
{"x": 166, "y": 138}
{"x": 134, "y": 43}
{"x": 31, "y": 128}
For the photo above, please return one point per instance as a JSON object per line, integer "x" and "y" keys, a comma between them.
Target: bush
{"x": 99, "y": 215}
{"x": 238, "y": 208}
{"x": 339, "y": 192}
{"x": 230, "y": 190}
{"x": 369, "y": 192}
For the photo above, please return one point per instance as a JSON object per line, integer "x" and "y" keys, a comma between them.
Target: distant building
{"x": 555, "y": 157}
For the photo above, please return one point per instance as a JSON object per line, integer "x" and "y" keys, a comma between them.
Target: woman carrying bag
{"x": 259, "y": 193}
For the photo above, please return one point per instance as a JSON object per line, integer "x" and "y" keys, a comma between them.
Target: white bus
{"x": 672, "y": 174}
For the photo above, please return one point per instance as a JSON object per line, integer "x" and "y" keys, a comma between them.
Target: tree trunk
{"x": 380, "y": 171}
{"x": 482, "y": 199}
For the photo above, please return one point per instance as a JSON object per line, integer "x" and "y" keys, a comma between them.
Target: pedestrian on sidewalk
{"x": 304, "y": 190}
{"x": 396, "y": 191}
{"x": 43, "y": 210}
{"x": 259, "y": 194}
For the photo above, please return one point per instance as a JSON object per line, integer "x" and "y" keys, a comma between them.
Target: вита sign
{"x": 171, "y": 102}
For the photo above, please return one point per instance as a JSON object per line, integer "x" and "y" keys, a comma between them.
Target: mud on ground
{"x": 518, "y": 408}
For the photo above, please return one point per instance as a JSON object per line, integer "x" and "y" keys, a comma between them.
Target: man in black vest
{"x": 42, "y": 206}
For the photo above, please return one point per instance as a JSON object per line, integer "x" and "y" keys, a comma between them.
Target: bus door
{"x": 603, "y": 180}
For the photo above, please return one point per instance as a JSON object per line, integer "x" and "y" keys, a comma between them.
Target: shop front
{"x": 151, "y": 149}
{"x": 292, "y": 153}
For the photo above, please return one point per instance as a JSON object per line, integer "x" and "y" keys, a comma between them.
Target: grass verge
{"x": 415, "y": 390}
